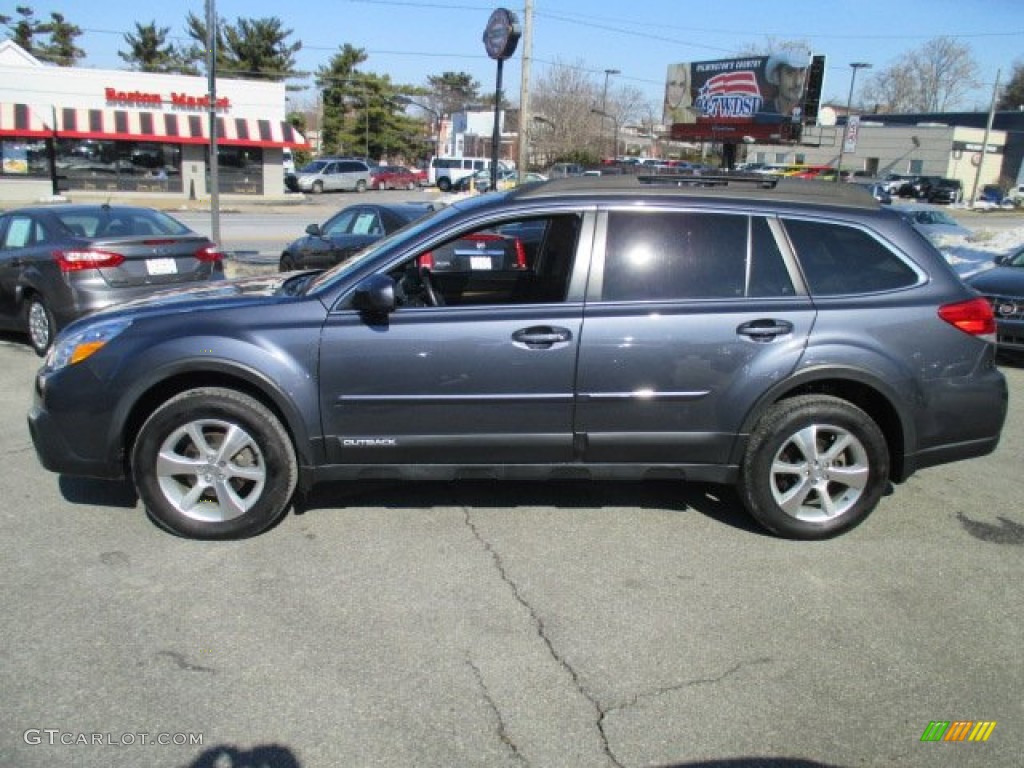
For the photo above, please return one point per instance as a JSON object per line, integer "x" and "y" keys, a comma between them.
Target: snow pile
{"x": 975, "y": 254}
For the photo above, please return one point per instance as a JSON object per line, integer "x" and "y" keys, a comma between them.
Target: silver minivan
{"x": 330, "y": 174}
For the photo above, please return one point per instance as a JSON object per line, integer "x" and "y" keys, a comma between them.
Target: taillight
{"x": 209, "y": 253}
{"x": 73, "y": 261}
{"x": 973, "y": 316}
{"x": 520, "y": 255}
{"x": 488, "y": 237}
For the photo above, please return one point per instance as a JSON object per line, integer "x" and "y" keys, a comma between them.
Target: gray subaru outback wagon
{"x": 789, "y": 337}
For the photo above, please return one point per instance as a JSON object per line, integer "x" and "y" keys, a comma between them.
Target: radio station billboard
{"x": 755, "y": 97}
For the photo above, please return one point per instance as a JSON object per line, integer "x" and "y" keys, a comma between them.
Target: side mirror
{"x": 1002, "y": 258}
{"x": 375, "y": 295}
{"x": 314, "y": 230}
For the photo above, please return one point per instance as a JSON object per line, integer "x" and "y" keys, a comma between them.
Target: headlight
{"x": 77, "y": 346}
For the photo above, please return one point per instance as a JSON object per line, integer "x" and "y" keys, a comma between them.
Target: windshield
{"x": 408, "y": 232}
{"x": 315, "y": 167}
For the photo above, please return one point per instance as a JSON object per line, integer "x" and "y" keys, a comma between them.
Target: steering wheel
{"x": 434, "y": 297}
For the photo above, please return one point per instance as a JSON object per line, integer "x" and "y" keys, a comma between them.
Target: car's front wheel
{"x": 40, "y": 324}
{"x": 815, "y": 466}
{"x": 213, "y": 463}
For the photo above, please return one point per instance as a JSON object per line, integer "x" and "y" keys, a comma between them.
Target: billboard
{"x": 760, "y": 98}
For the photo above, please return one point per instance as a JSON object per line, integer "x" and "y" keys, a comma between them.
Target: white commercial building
{"x": 925, "y": 149}
{"x": 64, "y": 129}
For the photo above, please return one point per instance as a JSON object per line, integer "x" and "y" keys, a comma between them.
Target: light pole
{"x": 615, "y": 122}
{"x": 604, "y": 104}
{"x": 855, "y": 65}
{"x": 406, "y": 101}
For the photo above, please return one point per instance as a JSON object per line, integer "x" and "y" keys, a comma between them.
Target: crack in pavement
{"x": 538, "y": 622}
{"x": 602, "y": 712}
{"x": 502, "y": 731}
{"x": 661, "y": 691}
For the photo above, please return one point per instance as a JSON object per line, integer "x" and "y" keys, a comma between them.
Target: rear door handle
{"x": 542, "y": 336}
{"x": 765, "y": 329}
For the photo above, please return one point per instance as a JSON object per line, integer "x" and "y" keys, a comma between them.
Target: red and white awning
{"x": 174, "y": 127}
{"x": 124, "y": 125}
{"x": 23, "y": 120}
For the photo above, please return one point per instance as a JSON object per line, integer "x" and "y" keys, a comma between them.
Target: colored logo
{"x": 730, "y": 94}
{"x": 958, "y": 730}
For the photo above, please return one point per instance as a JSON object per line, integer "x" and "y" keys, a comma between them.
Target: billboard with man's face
{"x": 760, "y": 97}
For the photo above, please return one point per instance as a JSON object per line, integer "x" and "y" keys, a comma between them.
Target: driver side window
{"x": 520, "y": 261}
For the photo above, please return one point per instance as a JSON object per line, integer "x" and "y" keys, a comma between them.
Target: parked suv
{"x": 790, "y": 337}
{"x": 946, "y": 191}
{"x": 330, "y": 174}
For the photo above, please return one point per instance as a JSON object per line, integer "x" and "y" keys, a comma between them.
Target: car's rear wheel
{"x": 286, "y": 264}
{"x": 444, "y": 184}
{"x": 40, "y": 324}
{"x": 815, "y": 466}
{"x": 360, "y": 186}
{"x": 411, "y": 186}
{"x": 213, "y": 463}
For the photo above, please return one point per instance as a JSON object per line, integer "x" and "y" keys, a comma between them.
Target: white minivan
{"x": 445, "y": 171}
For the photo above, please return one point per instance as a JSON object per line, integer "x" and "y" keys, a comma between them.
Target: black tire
{"x": 286, "y": 264}
{"x": 230, "y": 496}
{"x": 318, "y": 188}
{"x": 815, "y": 466}
{"x": 360, "y": 186}
{"x": 39, "y": 324}
{"x": 444, "y": 184}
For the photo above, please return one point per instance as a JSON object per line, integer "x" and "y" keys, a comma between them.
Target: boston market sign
{"x": 181, "y": 101}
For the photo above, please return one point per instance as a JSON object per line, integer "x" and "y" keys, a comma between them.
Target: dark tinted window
{"x": 843, "y": 260}
{"x": 687, "y": 255}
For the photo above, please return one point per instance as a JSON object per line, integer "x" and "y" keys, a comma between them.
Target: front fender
{"x": 283, "y": 380}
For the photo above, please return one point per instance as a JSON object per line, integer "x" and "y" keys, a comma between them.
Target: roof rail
{"x": 760, "y": 180}
{"x": 725, "y": 186}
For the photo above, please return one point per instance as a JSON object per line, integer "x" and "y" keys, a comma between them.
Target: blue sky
{"x": 411, "y": 39}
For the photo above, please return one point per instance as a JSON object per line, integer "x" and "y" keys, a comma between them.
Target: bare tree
{"x": 932, "y": 78}
{"x": 562, "y": 98}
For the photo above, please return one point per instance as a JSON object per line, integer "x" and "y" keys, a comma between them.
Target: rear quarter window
{"x": 838, "y": 260}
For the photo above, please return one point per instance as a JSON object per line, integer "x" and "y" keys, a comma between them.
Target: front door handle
{"x": 542, "y": 336}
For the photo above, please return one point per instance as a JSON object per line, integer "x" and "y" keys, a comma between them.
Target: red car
{"x": 392, "y": 177}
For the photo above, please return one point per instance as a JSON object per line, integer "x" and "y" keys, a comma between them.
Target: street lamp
{"x": 405, "y": 101}
{"x": 855, "y": 65}
{"x": 615, "y": 122}
{"x": 604, "y": 104}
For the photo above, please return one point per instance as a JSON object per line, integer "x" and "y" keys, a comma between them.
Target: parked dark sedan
{"x": 59, "y": 262}
{"x": 349, "y": 231}
{"x": 1003, "y": 286}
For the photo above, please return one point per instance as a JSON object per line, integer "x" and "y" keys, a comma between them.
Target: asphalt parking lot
{"x": 485, "y": 624}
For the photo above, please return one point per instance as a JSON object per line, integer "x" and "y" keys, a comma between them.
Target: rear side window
{"x": 662, "y": 256}
{"x": 839, "y": 260}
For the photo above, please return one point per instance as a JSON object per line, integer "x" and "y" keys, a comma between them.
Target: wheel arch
{"x": 872, "y": 395}
{"x": 158, "y": 390}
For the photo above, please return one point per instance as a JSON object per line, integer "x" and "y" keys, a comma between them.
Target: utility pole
{"x": 211, "y": 72}
{"x": 604, "y": 109}
{"x": 525, "y": 119}
{"x": 984, "y": 143}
